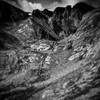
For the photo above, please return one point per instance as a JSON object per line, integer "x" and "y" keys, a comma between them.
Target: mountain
{"x": 10, "y": 14}
{"x": 73, "y": 16}
{"x": 78, "y": 11}
{"x": 50, "y": 57}
{"x": 47, "y": 12}
{"x": 41, "y": 20}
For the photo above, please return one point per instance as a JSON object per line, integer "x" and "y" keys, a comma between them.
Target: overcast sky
{"x": 29, "y": 5}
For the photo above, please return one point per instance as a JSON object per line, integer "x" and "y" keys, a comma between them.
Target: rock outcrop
{"x": 10, "y": 14}
{"x": 47, "y": 12}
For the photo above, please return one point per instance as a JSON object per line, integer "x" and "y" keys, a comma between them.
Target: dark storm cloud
{"x": 29, "y": 5}
{"x": 95, "y": 3}
{"x": 45, "y": 2}
{"x": 12, "y": 1}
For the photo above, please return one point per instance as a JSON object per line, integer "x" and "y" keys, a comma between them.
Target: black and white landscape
{"x": 50, "y": 55}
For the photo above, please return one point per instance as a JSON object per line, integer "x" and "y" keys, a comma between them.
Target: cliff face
{"x": 39, "y": 62}
{"x": 10, "y": 14}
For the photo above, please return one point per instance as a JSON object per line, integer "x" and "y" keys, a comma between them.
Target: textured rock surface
{"x": 36, "y": 68}
{"x": 10, "y": 14}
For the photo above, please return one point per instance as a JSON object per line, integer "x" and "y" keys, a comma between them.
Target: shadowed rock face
{"x": 9, "y": 14}
{"x": 74, "y": 16}
{"x": 47, "y": 12}
{"x": 8, "y": 41}
{"x": 67, "y": 19}
{"x": 78, "y": 12}
{"x": 33, "y": 67}
{"x": 37, "y": 13}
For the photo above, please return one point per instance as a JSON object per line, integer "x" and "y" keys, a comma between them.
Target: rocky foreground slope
{"x": 40, "y": 62}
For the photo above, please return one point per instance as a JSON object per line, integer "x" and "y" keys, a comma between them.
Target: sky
{"x": 29, "y": 5}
